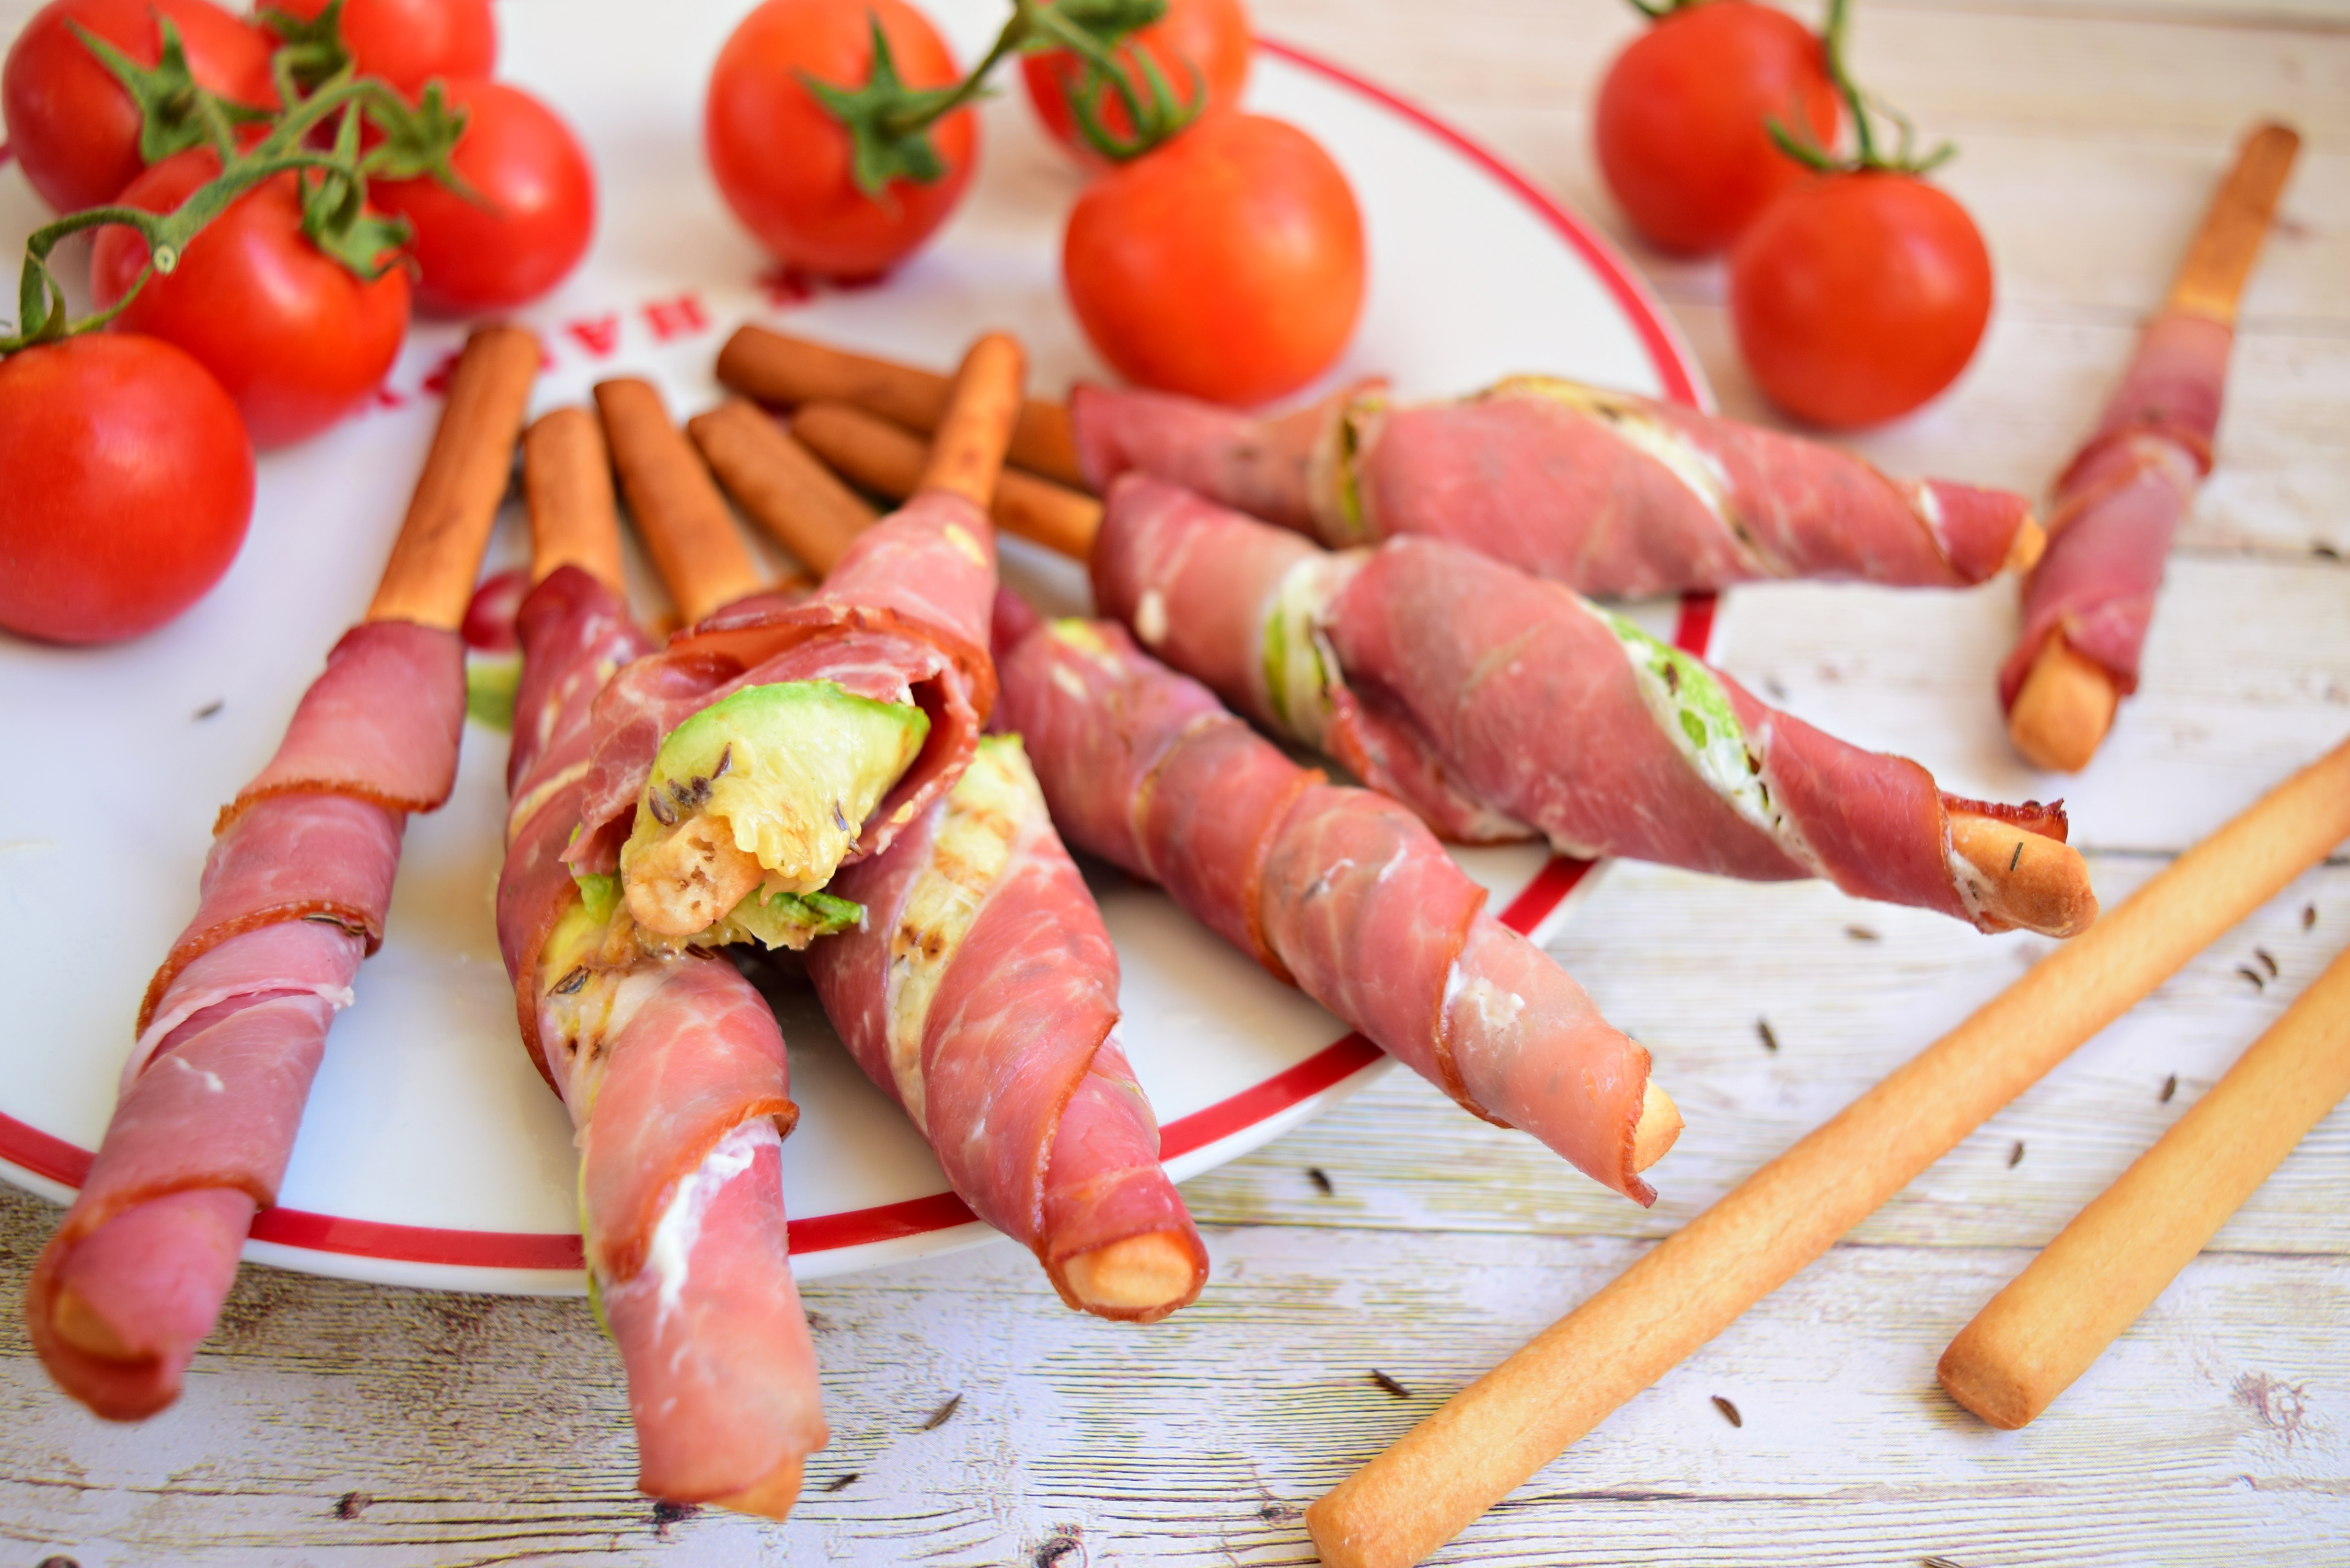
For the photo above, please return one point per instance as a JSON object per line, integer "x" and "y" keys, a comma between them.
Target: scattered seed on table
{"x": 2308, "y": 915}
{"x": 1389, "y": 1384}
{"x": 210, "y": 707}
{"x": 350, "y": 1504}
{"x": 2248, "y": 972}
{"x": 1729, "y": 1411}
{"x": 2015, "y": 1155}
{"x": 839, "y": 1483}
{"x": 1321, "y": 1180}
{"x": 1770, "y": 1041}
{"x": 1862, "y": 934}
{"x": 2169, "y": 1087}
{"x": 2268, "y": 961}
{"x": 1052, "y": 1550}
{"x": 943, "y": 1414}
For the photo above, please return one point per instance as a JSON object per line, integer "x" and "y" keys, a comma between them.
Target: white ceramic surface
{"x": 426, "y": 1116}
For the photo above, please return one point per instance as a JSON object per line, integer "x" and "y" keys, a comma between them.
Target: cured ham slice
{"x": 1611, "y": 493}
{"x": 675, "y": 1076}
{"x": 293, "y": 894}
{"x": 1337, "y": 890}
{"x": 980, "y": 991}
{"x": 1515, "y": 693}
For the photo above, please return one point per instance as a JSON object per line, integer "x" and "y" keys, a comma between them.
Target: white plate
{"x": 432, "y": 1153}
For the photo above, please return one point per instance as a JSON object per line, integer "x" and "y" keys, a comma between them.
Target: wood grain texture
{"x": 352, "y": 1427}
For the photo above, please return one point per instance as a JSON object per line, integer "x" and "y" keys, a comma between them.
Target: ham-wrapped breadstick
{"x": 670, "y": 1063}
{"x": 293, "y": 894}
{"x": 2087, "y": 605}
{"x": 1611, "y": 493}
{"x": 1337, "y": 890}
{"x": 1486, "y": 698}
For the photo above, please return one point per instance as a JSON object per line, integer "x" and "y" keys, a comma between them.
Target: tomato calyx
{"x": 415, "y": 140}
{"x": 311, "y": 50}
{"x": 1860, "y": 103}
{"x": 889, "y": 123}
{"x": 1152, "y": 109}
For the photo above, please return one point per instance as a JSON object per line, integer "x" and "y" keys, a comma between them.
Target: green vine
{"x": 889, "y": 123}
{"x": 1867, "y": 154}
{"x": 180, "y": 114}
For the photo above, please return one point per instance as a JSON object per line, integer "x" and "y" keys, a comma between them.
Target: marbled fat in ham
{"x": 2120, "y": 501}
{"x": 234, "y": 1023}
{"x": 1011, "y": 1069}
{"x": 902, "y": 617}
{"x": 1339, "y": 890}
{"x": 1611, "y": 493}
{"x": 1538, "y": 704}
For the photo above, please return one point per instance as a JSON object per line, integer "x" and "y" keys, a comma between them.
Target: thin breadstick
{"x": 1659, "y": 1128}
{"x": 2063, "y": 709}
{"x": 772, "y": 368}
{"x": 1497, "y": 1432}
{"x": 887, "y": 458}
{"x": 1140, "y": 1273}
{"x": 678, "y": 509}
{"x": 2212, "y": 278}
{"x": 2105, "y": 1268}
{"x": 779, "y": 485}
{"x": 430, "y": 578}
{"x": 2023, "y": 551}
{"x": 967, "y": 449}
{"x": 566, "y": 478}
{"x": 2028, "y": 881}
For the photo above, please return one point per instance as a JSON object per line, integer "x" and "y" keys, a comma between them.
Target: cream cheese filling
{"x": 1298, "y": 665}
{"x": 1700, "y": 473}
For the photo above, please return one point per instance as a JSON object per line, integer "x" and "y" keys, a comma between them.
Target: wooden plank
{"x": 338, "y": 1424}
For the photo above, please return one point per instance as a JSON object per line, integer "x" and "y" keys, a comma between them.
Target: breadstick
{"x": 2029, "y": 881}
{"x": 430, "y": 578}
{"x": 678, "y": 509}
{"x": 1501, "y": 1430}
{"x": 2105, "y": 1268}
{"x": 2024, "y": 551}
{"x": 779, "y": 485}
{"x": 772, "y": 368}
{"x": 2065, "y": 710}
{"x": 967, "y": 448}
{"x": 887, "y": 458}
{"x": 2212, "y": 278}
{"x": 566, "y": 478}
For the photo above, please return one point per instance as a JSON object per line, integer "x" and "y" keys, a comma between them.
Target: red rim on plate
{"x": 55, "y": 1159}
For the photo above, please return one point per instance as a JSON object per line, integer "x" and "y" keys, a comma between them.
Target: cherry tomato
{"x": 73, "y": 127}
{"x": 1228, "y": 265}
{"x": 519, "y": 154}
{"x": 294, "y": 336}
{"x": 1210, "y": 35}
{"x": 1680, "y": 124}
{"x": 1858, "y": 296}
{"x": 129, "y": 486}
{"x": 409, "y": 42}
{"x": 783, "y": 163}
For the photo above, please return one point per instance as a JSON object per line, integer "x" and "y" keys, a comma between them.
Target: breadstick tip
{"x": 770, "y": 1497}
{"x": 1153, "y": 1274}
{"x": 2064, "y": 710}
{"x": 77, "y": 1322}
{"x": 967, "y": 452}
{"x": 2024, "y": 878}
{"x": 1658, "y": 1129}
{"x": 2024, "y": 551}
{"x": 1981, "y": 1384}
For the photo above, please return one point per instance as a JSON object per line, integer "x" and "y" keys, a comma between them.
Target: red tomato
{"x": 516, "y": 152}
{"x": 293, "y": 336}
{"x": 783, "y": 163}
{"x": 1858, "y": 296}
{"x": 1228, "y": 265}
{"x": 71, "y": 124}
{"x": 1680, "y": 122}
{"x": 1212, "y": 35}
{"x": 129, "y": 486}
{"x": 409, "y": 42}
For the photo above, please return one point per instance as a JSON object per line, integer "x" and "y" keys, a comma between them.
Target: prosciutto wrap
{"x": 2120, "y": 501}
{"x": 674, "y": 1073}
{"x": 1497, "y": 705}
{"x": 901, "y": 620}
{"x": 1611, "y": 493}
{"x": 234, "y": 1023}
{"x": 982, "y": 994}
{"x": 1335, "y": 890}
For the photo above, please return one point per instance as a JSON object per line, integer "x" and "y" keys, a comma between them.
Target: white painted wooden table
{"x": 331, "y": 1423}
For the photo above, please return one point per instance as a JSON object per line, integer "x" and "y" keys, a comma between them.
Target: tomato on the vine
{"x": 297, "y": 338}
{"x": 1227, "y": 264}
{"x": 129, "y": 487}
{"x": 1859, "y": 295}
{"x": 785, "y": 165}
{"x": 409, "y": 42}
{"x": 519, "y": 156}
{"x": 1681, "y": 126}
{"x": 75, "y": 128}
{"x": 1210, "y": 36}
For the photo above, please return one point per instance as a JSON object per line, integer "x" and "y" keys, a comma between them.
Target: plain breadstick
{"x": 567, "y": 480}
{"x": 967, "y": 449}
{"x": 779, "y": 485}
{"x": 772, "y": 368}
{"x": 430, "y": 578}
{"x": 887, "y": 458}
{"x": 2105, "y": 1268}
{"x": 2023, "y": 878}
{"x": 2063, "y": 709}
{"x": 678, "y": 509}
{"x": 1501, "y": 1430}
